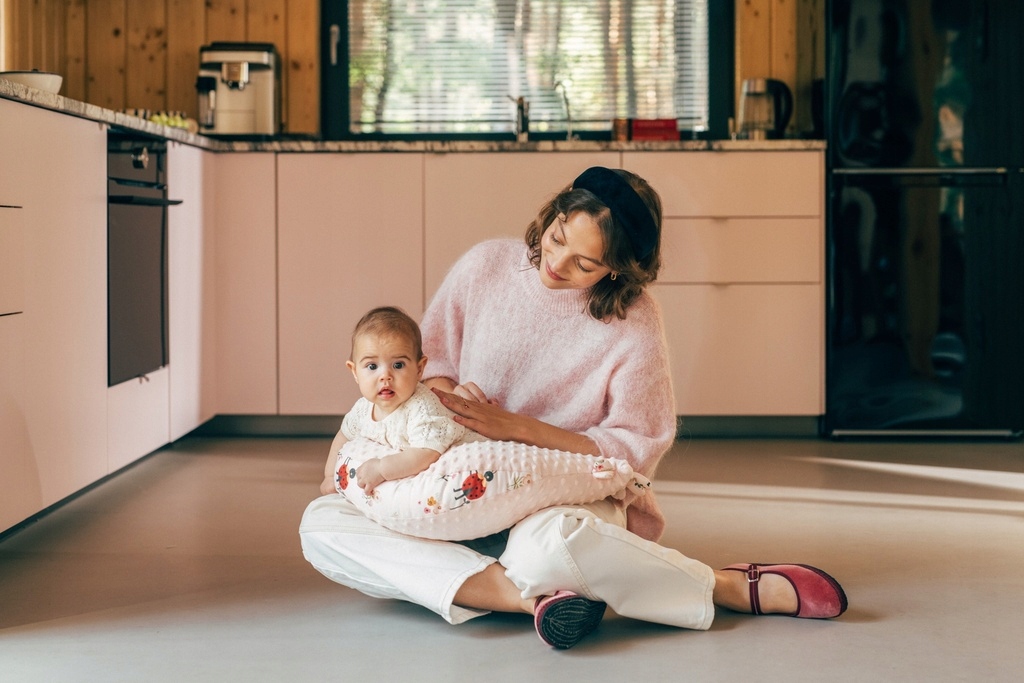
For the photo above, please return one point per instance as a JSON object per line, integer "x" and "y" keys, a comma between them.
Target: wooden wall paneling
{"x": 225, "y": 20}
{"x": 106, "y": 52}
{"x": 32, "y": 18}
{"x": 146, "y": 63}
{"x": 810, "y": 58}
{"x": 34, "y": 31}
{"x": 60, "y": 18}
{"x": 753, "y": 42}
{"x": 39, "y": 34}
{"x": 74, "y": 50}
{"x": 7, "y": 57}
{"x": 52, "y": 26}
{"x": 45, "y": 32}
{"x": 20, "y": 15}
{"x": 302, "y": 66}
{"x": 33, "y": 44}
{"x": 783, "y": 40}
{"x": 6, "y": 37}
{"x": 186, "y": 31}
{"x": 783, "y": 47}
{"x": 265, "y": 23}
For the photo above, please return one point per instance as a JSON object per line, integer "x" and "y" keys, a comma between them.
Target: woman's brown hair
{"x": 608, "y": 297}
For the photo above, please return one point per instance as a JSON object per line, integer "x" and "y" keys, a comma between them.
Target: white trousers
{"x": 585, "y": 549}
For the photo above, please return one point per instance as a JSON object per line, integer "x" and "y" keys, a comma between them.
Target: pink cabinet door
{"x": 350, "y": 237}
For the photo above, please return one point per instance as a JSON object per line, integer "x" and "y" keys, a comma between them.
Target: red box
{"x": 654, "y": 129}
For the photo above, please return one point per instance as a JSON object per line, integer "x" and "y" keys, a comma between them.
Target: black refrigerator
{"x": 924, "y": 113}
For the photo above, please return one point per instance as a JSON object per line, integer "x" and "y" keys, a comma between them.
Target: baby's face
{"x": 386, "y": 370}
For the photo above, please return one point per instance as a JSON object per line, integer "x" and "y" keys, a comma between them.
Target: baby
{"x": 396, "y": 409}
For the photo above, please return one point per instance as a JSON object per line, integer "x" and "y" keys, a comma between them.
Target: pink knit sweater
{"x": 539, "y": 353}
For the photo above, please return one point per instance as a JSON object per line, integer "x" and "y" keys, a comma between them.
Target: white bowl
{"x": 40, "y": 80}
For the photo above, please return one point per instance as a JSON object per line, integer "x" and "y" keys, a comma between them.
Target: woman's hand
{"x": 469, "y": 391}
{"x": 490, "y": 420}
{"x": 473, "y": 409}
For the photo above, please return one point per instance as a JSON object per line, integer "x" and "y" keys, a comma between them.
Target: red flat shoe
{"x": 818, "y": 595}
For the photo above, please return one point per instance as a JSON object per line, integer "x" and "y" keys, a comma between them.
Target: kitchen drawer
{"x": 737, "y": 250}
{"x": 718, "y": 184}
{"x": 12, "y": 261}
{"x": 745, "y": 349}
{"x": 138, "y": 418}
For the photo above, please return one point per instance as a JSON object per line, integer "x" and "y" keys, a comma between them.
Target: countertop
{"x": 65, "y": 105}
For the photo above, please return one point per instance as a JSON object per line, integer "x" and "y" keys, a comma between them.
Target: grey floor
{"x": 186, "y": 567}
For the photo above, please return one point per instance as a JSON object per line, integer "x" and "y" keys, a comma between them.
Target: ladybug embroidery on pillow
{"x": 343, "y": 474}
{"x": 473, "y": 487}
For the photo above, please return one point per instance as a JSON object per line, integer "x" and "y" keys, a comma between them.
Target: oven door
{"x": 136, "y": 295}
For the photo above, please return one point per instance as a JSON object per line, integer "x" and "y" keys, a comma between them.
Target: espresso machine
{"x": 239, "y": 89}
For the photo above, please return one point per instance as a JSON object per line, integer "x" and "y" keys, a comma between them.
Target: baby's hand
{"x": 369, "y": 475}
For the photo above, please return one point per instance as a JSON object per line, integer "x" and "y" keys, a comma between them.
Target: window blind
{"x": 455, "y": 66}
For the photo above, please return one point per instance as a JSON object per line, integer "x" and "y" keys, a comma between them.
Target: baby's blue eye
{"x": 399, "y": 365}
{"x": 371, "y": 366}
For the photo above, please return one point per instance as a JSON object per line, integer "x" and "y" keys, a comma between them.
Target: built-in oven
{"x": 136, "y": 256}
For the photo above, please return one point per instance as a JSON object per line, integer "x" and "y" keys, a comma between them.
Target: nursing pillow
{"x": 481, "y": 487}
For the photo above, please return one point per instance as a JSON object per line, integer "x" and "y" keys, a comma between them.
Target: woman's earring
{"x": 614, "y": 275}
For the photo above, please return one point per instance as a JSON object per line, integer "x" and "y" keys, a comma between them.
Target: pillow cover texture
{"x": 482, "y": 487}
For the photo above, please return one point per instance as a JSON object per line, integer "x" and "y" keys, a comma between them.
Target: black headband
{"x": 627, "y": 208}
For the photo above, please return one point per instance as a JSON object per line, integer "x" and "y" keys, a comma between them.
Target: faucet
{"x": 565, "y": 85}
{"x": 522, "y": 118}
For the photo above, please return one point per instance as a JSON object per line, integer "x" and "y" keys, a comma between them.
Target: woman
{"x": 559, "y": 345}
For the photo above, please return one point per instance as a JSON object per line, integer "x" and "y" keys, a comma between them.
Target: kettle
{"x": 766, "y": 106}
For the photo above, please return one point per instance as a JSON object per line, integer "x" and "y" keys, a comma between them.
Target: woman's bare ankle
{"x": 491, "y": 590}
{"x": 731, "y": 591}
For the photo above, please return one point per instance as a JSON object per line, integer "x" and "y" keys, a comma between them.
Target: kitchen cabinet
{"x": 473, "y": 197}
{"x": 21, "y": 493}
{"x": 245, "y": 282}
{"x": 53, "y": 369}
{"x": 138, "y": 418}
{"x": 742, "y": 284}
{"x": 191, "y": 292}
{"x": 350, "y": 237}
{"x": 12, "y": 259}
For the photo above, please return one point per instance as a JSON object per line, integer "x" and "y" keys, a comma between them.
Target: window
{"x": 449, "y": 68}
